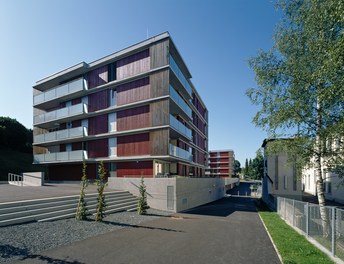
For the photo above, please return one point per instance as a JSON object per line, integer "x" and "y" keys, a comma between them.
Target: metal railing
{"x": 180, "y": 75}
{"x": 15, "y": 179}
{"x": 327, "y": 231}
{"x": 180, "y": 102}
{"x": 59, "y": 91}
{"x": 180, "y": 127}
{"x": 61, "y": 135}
{"x": 180, "y": 153}
{"x": 77, "y": 155}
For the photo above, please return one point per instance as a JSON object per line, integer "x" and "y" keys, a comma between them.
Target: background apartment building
{"x": 221, "y": 163}
{"x": 136, "y": 110}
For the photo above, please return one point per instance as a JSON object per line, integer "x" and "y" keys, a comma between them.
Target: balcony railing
{"x": 62, "y": 90}
{"x": 180, "y": 153}
{"x": 77, "y": 155}
{"x": 180, "y": 76}
{"x": 61, "y": 113}
{"x": 61, "y": 135}
{"x": 177, "y": 125}
{"x": 180, "y": 102}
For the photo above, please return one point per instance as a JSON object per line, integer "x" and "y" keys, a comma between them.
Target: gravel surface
{"x": 20, "y": 241}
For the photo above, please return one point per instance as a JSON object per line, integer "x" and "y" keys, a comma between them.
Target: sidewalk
{"x": 226, "y": 231}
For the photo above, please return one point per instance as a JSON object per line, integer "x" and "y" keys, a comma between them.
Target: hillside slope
{"x": 16, "y": 162}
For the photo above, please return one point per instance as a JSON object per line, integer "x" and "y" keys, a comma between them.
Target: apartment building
{"x": 280, "y": 177}
{"x": 221, "y": 163}
{"x": 136, "y": 109}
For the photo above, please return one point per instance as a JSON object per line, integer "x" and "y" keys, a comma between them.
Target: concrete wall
{"x": 185, "y": 193}
{"x": 33, "y": 178}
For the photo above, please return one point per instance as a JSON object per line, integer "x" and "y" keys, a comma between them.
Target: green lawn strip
{"x": 293, "y": 247}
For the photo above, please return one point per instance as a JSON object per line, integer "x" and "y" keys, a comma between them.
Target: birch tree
{"x": 300, "y": 84}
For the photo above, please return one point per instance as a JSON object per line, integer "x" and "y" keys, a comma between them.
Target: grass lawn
{"x": 293, "y": 247}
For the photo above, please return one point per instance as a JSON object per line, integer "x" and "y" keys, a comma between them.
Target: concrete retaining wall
{"x": 33, "y": 178}
{"x": 183, "y": 194}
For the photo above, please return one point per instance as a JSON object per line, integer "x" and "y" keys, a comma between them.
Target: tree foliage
{"x": 237, "y": 167}
{"x": 301, "y": 85}
{"x": 255, "y": 168}
{"x": 14, "y": 135}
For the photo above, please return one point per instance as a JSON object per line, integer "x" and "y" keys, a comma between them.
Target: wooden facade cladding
{"x": 133, "y": 65}
{"x": 70, "y": 172}
{"x": 98, "y": 148}
{"x": 133, "y": 91}
{"x": 159, "y": 142}
{"x": 135, "y": 169}
{"x": 98, "y": 124}
{"x": 196, "y": 102}
{"x": 160, "y": 112}
{"x": 98, "y": 101}
{"x": 133, "y": 145}
{"x": 133, "y": 118}
{"x": 159, "y": 83}
{"x": 159, "y": 54}
{"x": 199, "y": 140}
{"x": 97, "y": 77}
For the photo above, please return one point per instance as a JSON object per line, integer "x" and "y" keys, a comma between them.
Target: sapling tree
{"x": 142, "y": 205}
{"x": 101, "y": 183}
{"x": 81, "y": 212}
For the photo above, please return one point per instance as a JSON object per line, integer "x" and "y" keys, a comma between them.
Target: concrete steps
{"x": 61, "y": 207}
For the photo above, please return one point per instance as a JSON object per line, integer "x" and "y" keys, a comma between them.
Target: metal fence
{"x": 327, "y": 231}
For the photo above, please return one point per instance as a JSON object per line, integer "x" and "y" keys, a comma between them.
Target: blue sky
{"x": 216, "y": 39}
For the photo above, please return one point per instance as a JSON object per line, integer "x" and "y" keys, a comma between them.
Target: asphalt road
{"x": 225, "y": 231}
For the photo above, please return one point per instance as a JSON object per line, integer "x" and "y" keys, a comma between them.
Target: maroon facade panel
{"x": 133, "y": 91}
{"x": 98, "y": 101}
{"x": 76, "y": 146}
{"x": 98, "y": 148}
{"x": 138, "y": 56}
{"x": 138, "y": 117}
{"x": 133, "y": 145}
{"x": 135, "y": 169}
{"x": 70, "y": 172}
{"x": 98, "y": 124}
{"x": 97, "y": 77}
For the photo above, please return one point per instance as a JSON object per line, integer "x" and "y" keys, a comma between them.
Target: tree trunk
{"x": 318, "y": 168}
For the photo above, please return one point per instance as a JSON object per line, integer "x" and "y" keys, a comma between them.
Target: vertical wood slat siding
{"x": 76, "y": 101}
{"x": 98, "y": 148}
{"x": 98, "y": 101}
{"x": 76, "y": 146}
{"x": 160, "y": 113}
{"x": 159, "y": 54}
{"x": 135, "y": 169}
{"x": 159, "y": 83}
{"x": 138, "y": 117}
{"x": 97, "y": 77}
{"x": 76, "y": 123}
{"x": 70, "y": 172}
{"x": 133, "y": 91}
{"x": 132, "y": 65}
{"x": 159, "y": 142}
{"x": 133, "y": 145}
{"x": 98, "y": 124}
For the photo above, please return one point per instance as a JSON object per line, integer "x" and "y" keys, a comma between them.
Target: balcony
{"x": 60, "y": 91}
{"x": 180, "y": 153}
{"x": 178, "y": 126}
{"x": 180, "y": 76}
{"x": 66, "y": 112}
{"x": 61, "y": 135}
{"x": 180, "y": 102}
{"x": 77, "y": 155}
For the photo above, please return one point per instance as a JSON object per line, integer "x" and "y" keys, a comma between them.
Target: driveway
{"x": 225, "y": 231}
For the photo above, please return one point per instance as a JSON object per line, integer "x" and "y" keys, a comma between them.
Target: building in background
{"x": 221, "y": 163}
{"x": 280, "y": 178}
{"x": 136, "y": 109}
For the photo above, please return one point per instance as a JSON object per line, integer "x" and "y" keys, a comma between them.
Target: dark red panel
{"x": 70, "y": 172}
{"x": 138, "y": 56}
{"x": 98, "y": 101}
{"x": 138, "y": 117}
{"x": 77, "y": 146}
{"x": 133, "y": 145}
{"x": 62, "y": 147}
{"x": 76, "y": 123}
{"x": 98, "y": 148}
{"x": 76, "y": 101}
{"x": 135, "y": 169}
{"x": 98, "y": 124}
{"x": 97, "y": 77}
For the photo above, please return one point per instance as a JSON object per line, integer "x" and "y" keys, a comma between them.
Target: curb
{"x": 278, "y": 254}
